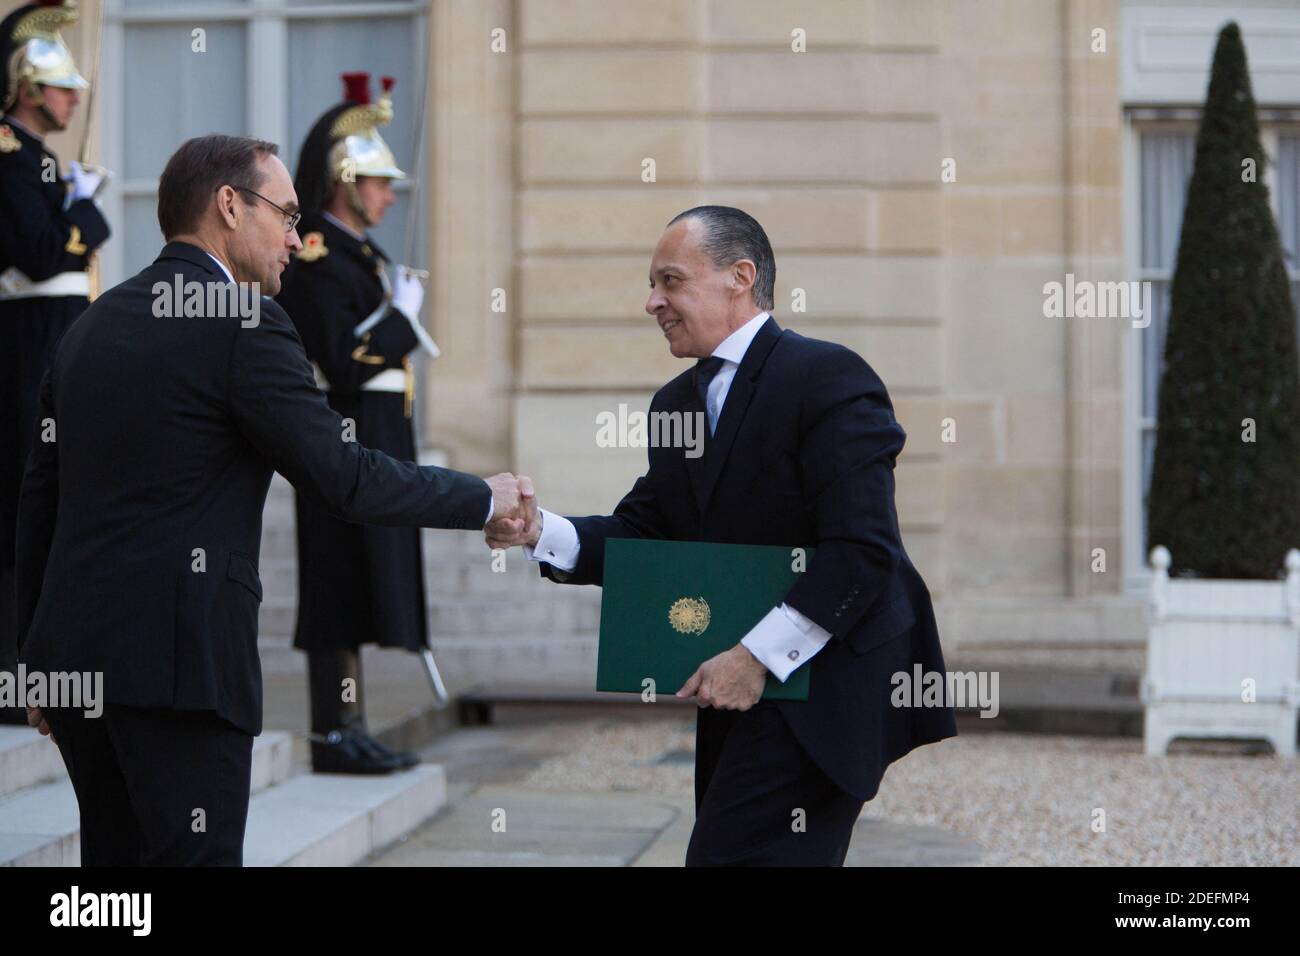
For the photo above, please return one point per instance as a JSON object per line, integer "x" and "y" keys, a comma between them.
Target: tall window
{"x": 265, "y": 68}
{"x": 1166, "y": 157}
{"x": 1288, "y": 204}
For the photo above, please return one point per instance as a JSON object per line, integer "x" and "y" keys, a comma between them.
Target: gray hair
{"x": 731, "y": 235}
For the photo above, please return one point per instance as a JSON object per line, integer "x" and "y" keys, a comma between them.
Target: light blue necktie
{"x": 705, "y": 370}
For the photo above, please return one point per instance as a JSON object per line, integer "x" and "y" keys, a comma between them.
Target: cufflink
{"x": 793, "y": 655}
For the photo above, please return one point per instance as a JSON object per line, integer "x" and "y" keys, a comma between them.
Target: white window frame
{"x": 267, "y": 62}
{"x": 1137, "y": 573}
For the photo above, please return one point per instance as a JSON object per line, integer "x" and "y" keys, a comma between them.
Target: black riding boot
{"x": 340, "y": 743}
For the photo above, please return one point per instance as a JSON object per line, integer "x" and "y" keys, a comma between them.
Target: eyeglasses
{"x": 291, "y": 219}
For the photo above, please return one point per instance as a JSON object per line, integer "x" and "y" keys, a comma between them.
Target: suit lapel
{"x": 706, "y": 469}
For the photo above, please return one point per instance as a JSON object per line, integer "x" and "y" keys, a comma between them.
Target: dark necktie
{"x": 705, "y": 370}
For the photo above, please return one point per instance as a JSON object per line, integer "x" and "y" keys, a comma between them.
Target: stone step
{"x": 448, "y": 567}
{"x": 276, "y": 620}
{"x": 339, "y": 820}
{"x": 561, "y": 662}
{"x": 279, "y": 540}
{"x": 27, "y": 759}
{"x": 440, "y": 548}
{"x": 558, "y": 612}
{"x": 279, "y": 580}
{"x": 41, "y": 826}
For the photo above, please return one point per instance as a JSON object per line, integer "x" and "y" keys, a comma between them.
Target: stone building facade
{"x": 924, "y": 169}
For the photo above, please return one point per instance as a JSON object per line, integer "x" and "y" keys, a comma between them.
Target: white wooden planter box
{"x": 1207, "y": 640}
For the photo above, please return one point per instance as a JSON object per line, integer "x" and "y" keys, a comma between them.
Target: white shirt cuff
{"x": 492, "y": 507}
{"x": 558, "y": 544}
{"x": 784, "y": 640}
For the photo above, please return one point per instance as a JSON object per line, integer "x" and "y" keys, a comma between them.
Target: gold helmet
{"x": 345, "y": 143}
{"x": 360, "y": 150}
{"x": 33, "y": 51}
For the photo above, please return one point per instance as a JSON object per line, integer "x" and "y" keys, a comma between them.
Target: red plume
{"x": 388, "y": 83}
{"x": 356, "y": 88}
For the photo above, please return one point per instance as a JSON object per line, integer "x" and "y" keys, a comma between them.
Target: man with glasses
{"x": 291, "y": 219}
{"x": 357, "y": 583}
{"x": 141, "y": 514}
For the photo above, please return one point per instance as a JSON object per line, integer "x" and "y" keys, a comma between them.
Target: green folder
{"x": 668, "y": 606}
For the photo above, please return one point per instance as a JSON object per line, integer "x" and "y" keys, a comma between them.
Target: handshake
{"x": 515, "y": 518}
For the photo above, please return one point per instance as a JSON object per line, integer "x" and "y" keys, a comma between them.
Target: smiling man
{"x": 140, "y": 520}
{"x": 800, "y": 453}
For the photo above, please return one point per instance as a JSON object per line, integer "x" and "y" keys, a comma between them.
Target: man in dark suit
{"x": 166, "y": 409}
{"x": 800, "y": 453}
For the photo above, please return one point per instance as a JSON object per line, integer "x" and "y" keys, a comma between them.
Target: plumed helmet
{"x": 345, "y": 143}
{"x": 32, "y": 52}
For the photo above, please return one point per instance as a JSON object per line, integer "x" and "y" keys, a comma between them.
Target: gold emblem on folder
{"x": 689, "y": 615}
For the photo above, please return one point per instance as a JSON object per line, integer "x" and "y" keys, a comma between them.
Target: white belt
{"x": 389, "y": 380}
{"x": 15, "y": 285}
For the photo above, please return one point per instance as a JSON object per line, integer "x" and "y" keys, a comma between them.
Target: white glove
{"x": 85, "y": 183}
{"x": 408, "y": 295}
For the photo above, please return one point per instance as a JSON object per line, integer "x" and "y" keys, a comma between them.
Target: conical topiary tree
{"x": 1226, "y": 506}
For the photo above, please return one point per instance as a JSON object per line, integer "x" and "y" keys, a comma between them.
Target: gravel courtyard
{"x": 1027, "y": 799}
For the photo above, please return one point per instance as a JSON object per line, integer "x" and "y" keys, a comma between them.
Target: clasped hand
{"x": 515, "y": 516}
{"x": 733, "y": 680}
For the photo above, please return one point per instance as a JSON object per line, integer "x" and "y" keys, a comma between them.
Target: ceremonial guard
{"x": 49, "y": 228}
{"x": 357, "y": 584}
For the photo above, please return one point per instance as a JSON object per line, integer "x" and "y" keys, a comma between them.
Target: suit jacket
{"x": 139, "y": 527}
{"x": 803, "y": 456}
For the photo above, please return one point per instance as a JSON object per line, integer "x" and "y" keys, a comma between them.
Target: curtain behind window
{"x": 1166, "y": 169}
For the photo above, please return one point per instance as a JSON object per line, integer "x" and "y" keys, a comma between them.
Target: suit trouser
{"x": 9, "y": 642}
{"x": 141, "y": 778}
{"x": 8, "y": 620}
{"x": 760, "y": 800}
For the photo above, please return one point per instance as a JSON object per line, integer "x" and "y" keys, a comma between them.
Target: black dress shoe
{"x": 405, "y": 759}
{"x": 345, "y": 751}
